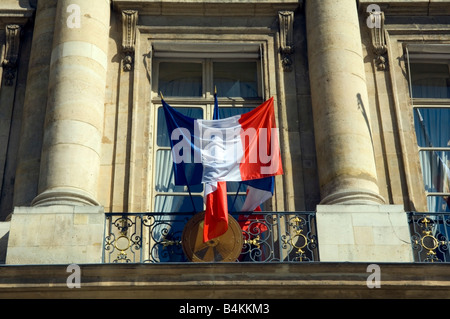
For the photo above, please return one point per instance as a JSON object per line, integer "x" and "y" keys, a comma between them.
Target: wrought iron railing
{"x": 157, "y": 237}
{"x": 430, "y": 236}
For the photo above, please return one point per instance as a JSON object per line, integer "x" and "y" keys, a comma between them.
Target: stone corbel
{"x": 129, "y": 21}
{"x": 378, "y": 39}
{"x": 286, "y": 21}
{"x": 11, "y": 58}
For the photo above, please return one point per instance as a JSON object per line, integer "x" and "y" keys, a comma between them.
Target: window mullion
{"x": 207, "y": 78}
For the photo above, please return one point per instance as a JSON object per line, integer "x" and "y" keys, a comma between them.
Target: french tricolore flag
{"x": 239, "y": 148}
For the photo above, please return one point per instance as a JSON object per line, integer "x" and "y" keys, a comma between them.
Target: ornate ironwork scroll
{"x": 157, "y": 237}
{"x": 430, "y": 236}
{"x": 123, "y": 241}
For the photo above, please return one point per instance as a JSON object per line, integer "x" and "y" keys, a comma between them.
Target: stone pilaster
{"x": 74, "y": 116}
{"x": 346, "y": 164}
{"x": 35, "y": 102}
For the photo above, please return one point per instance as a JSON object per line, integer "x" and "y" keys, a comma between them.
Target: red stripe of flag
{"x": 216, "y": 214}
{"x": 260, "y": 119}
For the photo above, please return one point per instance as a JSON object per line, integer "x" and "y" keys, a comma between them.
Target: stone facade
{"x": 77, "y": 115}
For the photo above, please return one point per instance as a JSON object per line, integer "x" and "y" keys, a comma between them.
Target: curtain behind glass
{"x": 430, "y": 80}
{"x": 180, "y": 79}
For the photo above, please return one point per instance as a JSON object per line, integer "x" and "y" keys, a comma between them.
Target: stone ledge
{"x": 58, "y": 209}
{"x": 231, "y": 281}
{"x": 207, "y": 8}
{"x": 409, "y": 7}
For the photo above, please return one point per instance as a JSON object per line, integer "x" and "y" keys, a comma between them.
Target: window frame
{"x": 431, "y": 54}
{"x": 205, "y": 102}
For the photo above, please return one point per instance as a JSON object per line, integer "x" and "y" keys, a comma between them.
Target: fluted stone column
{"x": 74, "y": 117}
{"x": 345, "y": 156}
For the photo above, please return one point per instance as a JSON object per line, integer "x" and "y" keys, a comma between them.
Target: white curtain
{"x": 180, "y": 79}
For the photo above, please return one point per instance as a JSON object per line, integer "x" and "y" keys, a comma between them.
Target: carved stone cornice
{"x": 11, "y": 57}
{"x": 409, "y": 8}
{"x": 19, "y": 12}
{"x": 218, "y": 8}
{"x": 129, "y": 22}
{"x": 286, "y": 22}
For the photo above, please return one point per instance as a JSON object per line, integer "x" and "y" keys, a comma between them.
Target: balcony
{"x": 266, "y": 237}
{"x": 157, "y": 238}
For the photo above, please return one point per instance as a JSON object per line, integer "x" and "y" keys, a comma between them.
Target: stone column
{"x": 65, "y": 224}
{"x": 352, "y": 222}
{"x": 346, "y": 164}
{"x": 74, "y": 117}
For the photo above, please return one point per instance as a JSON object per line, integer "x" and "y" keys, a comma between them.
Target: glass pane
{"x": 232, "y": 187}
{"x": 164, "y": 179}
{"x": 438, "y": 203}
{"x": 436, "y": 171}
{"x": 225, "y": 112}
{"x": 432, "y": 127}
{"x": 180, "y": 79}
{"x": 235, "y": 203}
{"x": 235, "y": 200}
{"x": 181, "y": 204}
{"x": 236, "y": 79}
{"x": 162, "y": 138}
{"x": 430, "y": 80}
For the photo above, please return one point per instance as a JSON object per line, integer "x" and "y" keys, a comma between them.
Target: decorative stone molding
{"x": 286, "y": 21}
{"x": 11, "y": 53}
{"x": 129, "y": 21}
{"x": 215, "y": 8}
{"x": 378, "y": 40}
